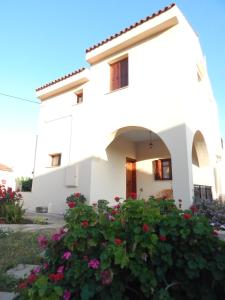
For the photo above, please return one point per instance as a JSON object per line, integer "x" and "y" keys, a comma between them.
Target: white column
{"x": 179, "y": 142}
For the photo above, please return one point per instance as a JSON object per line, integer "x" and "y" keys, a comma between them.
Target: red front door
{"x": 130, "y": 176}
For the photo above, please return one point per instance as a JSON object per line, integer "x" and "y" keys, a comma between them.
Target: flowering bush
{"x": 10, "y": 206}
{"x": 135, "y": 250}
{"x": 214, "y": 211}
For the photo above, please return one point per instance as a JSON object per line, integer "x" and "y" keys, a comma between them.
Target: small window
{"x": 55, "y": 159}
{"x": 162, "y": 169}
{"x": 79, "y": 97}
{"x": 119, "y": 74}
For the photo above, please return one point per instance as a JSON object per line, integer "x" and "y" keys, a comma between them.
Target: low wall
{"x": 29, "y": 202}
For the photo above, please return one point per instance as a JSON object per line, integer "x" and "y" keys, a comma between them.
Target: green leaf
{"x": 58, "y": 290}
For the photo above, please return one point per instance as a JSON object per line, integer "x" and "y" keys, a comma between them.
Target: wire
{"x": 21, "y": 99}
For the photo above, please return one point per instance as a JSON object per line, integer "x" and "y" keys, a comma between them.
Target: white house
{"x": 142, "y": 118}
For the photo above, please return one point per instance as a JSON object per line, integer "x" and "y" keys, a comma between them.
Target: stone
{"x": 21, "y": 270}
{"x": 7, "y": 296}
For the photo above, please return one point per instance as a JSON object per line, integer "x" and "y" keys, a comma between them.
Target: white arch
{"x": 200, "y": 155}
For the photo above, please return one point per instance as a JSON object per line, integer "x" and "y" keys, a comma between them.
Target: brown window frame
{"x": 56, "y": 159}
{"x": 80, "y": 97}
{"x": 158, "y": 169}
{"x": 119, "y": 76}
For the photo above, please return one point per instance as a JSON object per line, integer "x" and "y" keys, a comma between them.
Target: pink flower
{"x": 45, "y": 266}
{"x": 111, "y": 218}
{"x": 94, "y": 263}
{"x": 36, "y": 270}
{"x": 42, "y": 241}
{"x": 66, "y": 295}
{"x": 106, "y": 277}
{"x": 60, "y": 269}
{"x": 56, "y": 237}
{"x": 67, "y": 255}
{"x": 77, "y": 195}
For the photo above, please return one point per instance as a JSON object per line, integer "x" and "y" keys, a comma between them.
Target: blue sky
{"x": 45, "y": 39}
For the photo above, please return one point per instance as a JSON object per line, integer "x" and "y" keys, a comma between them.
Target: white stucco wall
{"x": 109, "y": 174}
{"x": 145, "y": 174}
{"x": 163, "y": 96}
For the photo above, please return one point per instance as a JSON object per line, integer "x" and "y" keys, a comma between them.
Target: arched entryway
{"x": 202, "y": 173}
{"x": 138, "y": 161}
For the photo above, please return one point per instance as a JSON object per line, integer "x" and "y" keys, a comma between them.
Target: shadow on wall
{"x": 99, "y": 178}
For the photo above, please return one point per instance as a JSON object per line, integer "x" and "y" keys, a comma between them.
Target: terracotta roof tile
{"x": 5, "y": 168}
{"x": 60, "y": 79}
{"x": 105, "y": 41}
{"x": 130, "y": 27}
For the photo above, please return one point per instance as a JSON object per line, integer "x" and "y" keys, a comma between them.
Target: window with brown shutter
{"x": 119, "y": 74}
{"x": 162, "y": 169}
{"x": 79, "y": 97}
{"x": 55, "y": 159}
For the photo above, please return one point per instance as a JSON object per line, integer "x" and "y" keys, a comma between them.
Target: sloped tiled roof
{"x": 60, "y": 79}
{"x": 107, "y": 40}
{"x": 131, "y": 27}
{"x": 5, "y": 168}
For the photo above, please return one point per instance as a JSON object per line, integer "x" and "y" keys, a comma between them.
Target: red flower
{"x": 71, "y": 204}
{"x": 31, "y": 278}
{"x": 133, "y": 195}
{"x": 56, "y": 277}
{"x": 186, "y": 216}
{"x": 118, "y": 242}
{"x": 117, "y": 199}
{"x": 162, "y": 238}
{"x": 77, "y": 195}
{"x": 215, "y": 233}
{"x": 146, "y": 228}
{"x": 22, "y": 285}
{"x": 194, "y": 209}
{"x": 114, "y": 212}
{"x": 85, "y": 223}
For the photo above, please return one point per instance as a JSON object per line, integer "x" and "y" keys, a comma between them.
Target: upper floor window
{"x": 55, "y": 159}
{"x": 79, "y": 97}
{"x": 119, "y": 74}
{"x": 162, "y": 169}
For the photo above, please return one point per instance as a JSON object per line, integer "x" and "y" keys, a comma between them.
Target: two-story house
{"x": 142, "y": 118}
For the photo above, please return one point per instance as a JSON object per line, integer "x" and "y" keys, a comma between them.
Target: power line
{"x": 19, "y": 98}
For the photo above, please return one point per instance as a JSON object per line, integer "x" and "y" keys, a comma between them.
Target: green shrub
{"x": 135, "y": 250}
{"x": 11, "y": 210}
{"x": 25, "y": 183}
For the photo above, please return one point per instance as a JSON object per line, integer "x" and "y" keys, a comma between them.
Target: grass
{"x": 18, "y": 248}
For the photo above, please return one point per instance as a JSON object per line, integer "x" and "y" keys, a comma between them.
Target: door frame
{"x": 134, "y": 176}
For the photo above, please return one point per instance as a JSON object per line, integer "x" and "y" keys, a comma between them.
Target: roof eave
{"x": 63, "y": 85}
{"x": 143, "y": 31}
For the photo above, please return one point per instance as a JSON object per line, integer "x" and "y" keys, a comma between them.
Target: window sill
{"x": 163, "y": 179}
{"x": 119, "y": 89}
{"x": 52, "y": 167}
